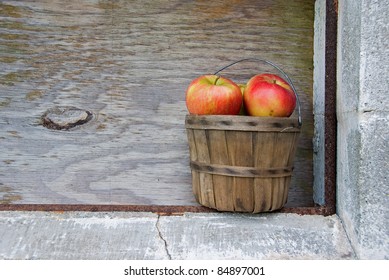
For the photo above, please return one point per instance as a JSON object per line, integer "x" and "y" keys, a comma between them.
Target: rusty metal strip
{"x": 162, "y": 210}
{"x": 330, "y": 125}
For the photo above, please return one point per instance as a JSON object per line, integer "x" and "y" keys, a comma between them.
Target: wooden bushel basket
{"x": 242, "y": 163}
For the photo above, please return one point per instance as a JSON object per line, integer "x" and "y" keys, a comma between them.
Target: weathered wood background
{"x": 129, "y": 63}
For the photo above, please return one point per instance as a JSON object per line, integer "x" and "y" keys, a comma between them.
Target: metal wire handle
{"x": 280, "y": 70}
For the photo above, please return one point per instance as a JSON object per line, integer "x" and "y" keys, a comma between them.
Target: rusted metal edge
{"x": 330, "y": 125}
{"x": 163, "y": 210}
{"x": 160, "y": 209}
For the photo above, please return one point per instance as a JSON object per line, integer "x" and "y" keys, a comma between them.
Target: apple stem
{"x": 217, "y": 78}
{"x": 274, "y": 81}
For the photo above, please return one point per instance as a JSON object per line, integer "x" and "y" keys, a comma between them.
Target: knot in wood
{"x": 65, "y": 118}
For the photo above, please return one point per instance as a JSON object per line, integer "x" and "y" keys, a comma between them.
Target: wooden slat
{"x": 240, "y": 148}
{"x": 196, "y": 183}
{"x": 263, "y": 186}
{"x": 205, "y": 182}
{"x": 222, "y": 186}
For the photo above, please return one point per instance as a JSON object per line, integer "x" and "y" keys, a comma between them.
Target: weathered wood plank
{"x": 205, "y": 183}
{"x": 129, "y": 63}
{"x": 263, "y": 186}
{"x": 240, "y": 150}
{"x": 218, "y": 150}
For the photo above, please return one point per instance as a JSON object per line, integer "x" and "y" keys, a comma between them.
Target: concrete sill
{"x": 149, "y": 236}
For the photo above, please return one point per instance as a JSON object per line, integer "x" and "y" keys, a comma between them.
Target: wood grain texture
{"x": 129, "y": 63}
{"x": 239, "y": 154}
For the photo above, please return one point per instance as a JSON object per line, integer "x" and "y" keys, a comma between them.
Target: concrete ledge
{"x": 146, "y": 236}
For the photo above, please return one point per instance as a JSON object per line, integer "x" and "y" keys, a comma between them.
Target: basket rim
{"x": 242, "y": 123}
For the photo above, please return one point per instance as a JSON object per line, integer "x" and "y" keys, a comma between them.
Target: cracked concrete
{"x": 148, "y": 236}
{"x": 157, "y": 225}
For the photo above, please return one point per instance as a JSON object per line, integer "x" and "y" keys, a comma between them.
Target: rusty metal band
{"x": 162, "y": 210}
{"x": 241, "y": 171}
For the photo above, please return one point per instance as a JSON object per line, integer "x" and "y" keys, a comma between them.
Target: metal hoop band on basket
{"x": 280, "y": 70}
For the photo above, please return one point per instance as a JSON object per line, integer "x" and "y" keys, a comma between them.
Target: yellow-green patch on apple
{"x": 242, "y": 109}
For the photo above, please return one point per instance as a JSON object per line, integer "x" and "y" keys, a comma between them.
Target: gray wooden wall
{"x": 129, "y": 63}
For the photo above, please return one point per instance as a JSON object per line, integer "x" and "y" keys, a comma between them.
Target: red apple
{"x": 269, "y": 95}
{"x": 213, "y": 95}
